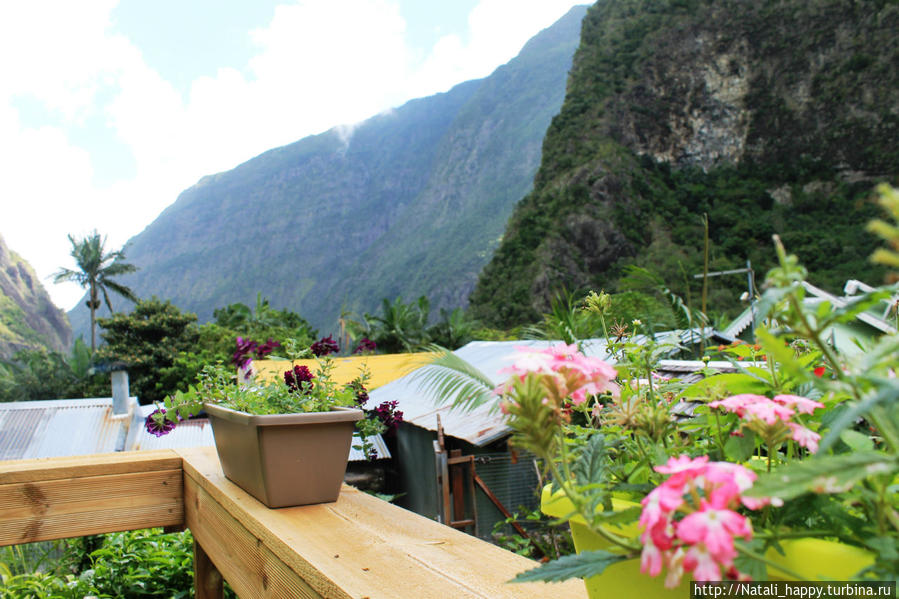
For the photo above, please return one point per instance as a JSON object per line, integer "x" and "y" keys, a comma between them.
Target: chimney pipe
{"x": 120, "y": 392}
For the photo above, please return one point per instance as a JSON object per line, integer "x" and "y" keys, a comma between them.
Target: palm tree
{"x": 96, "y": 267}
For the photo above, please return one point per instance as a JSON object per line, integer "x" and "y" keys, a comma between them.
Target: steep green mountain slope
{"x": 28, "y": 317}
{"x": 414, "y": 202}
{"x": 771, "y": 117}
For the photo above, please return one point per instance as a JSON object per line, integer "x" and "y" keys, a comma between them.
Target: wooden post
{"x": 207, "y": 580}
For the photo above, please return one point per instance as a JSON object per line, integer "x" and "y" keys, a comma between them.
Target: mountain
{"x": 28, "y": 318}
{"x": 409, "y": 202}
{"x": 769, "y": 117}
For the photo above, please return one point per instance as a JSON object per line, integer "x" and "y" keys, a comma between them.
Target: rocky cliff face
{"x": 770, "y": 117}
{"x": 27, "y": 316}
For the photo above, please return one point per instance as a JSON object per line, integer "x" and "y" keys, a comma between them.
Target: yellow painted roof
{"x": 383, "y": 367}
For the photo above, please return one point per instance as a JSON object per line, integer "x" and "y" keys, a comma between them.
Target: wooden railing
{"x": 357, "y": 547}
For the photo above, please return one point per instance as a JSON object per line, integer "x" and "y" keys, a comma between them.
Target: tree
{"x": 149, "y": 340}
{"x": 96, "y": 267}
{"x": 401, "y": 327}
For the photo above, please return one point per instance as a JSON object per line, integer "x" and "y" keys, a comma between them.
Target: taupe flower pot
{"x": 286, "y": 459}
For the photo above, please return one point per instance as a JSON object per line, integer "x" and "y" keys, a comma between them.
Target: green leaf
{"x": 783, "y": 354}
{"x": 831, "y": 474}
{"x": 582, "y": 565}
{"x": 590, "y": 467}
{"x": 888, "y": 392}
{"x": 740, "y": 448}
{"x": 756, "y": 569}
{"x": 856, "y": 440}
{"x": 726, "y": 384}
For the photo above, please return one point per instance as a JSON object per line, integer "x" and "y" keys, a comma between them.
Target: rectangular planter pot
{"x": 285, "y": 459}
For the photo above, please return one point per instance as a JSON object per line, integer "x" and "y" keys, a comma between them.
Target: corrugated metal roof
{"x": 196, "y": 432}
{"x": 41, "y": 429}
{"x": 383, "y": 368}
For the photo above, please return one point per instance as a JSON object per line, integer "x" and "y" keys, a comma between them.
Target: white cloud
{"x": 319, "y": 64}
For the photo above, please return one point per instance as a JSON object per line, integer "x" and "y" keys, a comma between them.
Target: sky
{"x": 109, "y": 109}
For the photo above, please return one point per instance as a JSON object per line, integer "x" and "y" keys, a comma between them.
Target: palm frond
{"x": 450, "y": 379}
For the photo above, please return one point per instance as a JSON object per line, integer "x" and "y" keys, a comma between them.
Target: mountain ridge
{"x": 321, "y": 226}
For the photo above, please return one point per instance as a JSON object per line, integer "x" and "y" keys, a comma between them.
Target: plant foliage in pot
{"x": 287, "y": 442}
{"x": 787, "y": 469}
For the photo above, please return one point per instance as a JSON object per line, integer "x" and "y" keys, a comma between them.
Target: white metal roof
{"x": 482, "y": 425}
{"x": 486, "y": 424}
{"x": 62, "y": 427}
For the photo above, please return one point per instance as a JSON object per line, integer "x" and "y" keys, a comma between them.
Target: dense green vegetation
{"x": 767, "y": 117}
{"x": 141, "y": 564}
{"x": 28, "y": 319}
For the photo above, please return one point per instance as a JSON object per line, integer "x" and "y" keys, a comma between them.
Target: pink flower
{"x": 736, "y": 403}
{"x": 650, "y": 559}
{"x": 769, "y": 412}
{"x": 684, "y": 463}
{"x": 658, "y": 505}
{"x": 682, "y": 536}
{"x": 701, "y": 563}
{"x": 804, "y": 437}
{"x": 529, "y": 360}
{"x": 715, "y": 528}
{"x": 675, "y": 565}
{"x": 802, "y": 405}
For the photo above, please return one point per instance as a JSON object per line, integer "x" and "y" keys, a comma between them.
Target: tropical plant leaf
{"x": 831, "y": 474}
{"x": 582, "y": 565}
{"x": 451, "y": 379}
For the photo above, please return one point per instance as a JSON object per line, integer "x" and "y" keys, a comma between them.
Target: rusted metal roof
{"x": 62, "y": 427}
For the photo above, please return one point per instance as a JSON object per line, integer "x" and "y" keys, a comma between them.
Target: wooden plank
{"x": 45, "y": 469}
{"x": 73, "y": 507}
{"x": 359, "y": 546}
{"x": 242, "y": 558}
{"x": 207, "y": 579}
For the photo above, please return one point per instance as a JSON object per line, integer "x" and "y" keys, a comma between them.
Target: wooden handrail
{"x": 55, "y": 498}
{"x": 357, "y": 547}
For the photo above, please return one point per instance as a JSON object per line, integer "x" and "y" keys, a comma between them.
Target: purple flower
{"x": 157, "y": 424}
{"x": 325, "y": 346}
{"x": 365, "y": 346}
{"x": 360, "y": 390}
{"x": 296, "y": 377}
{"x": 242, "y": 355}
{"x": 389, "y": 415}
{"x": 267, "y": 348}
